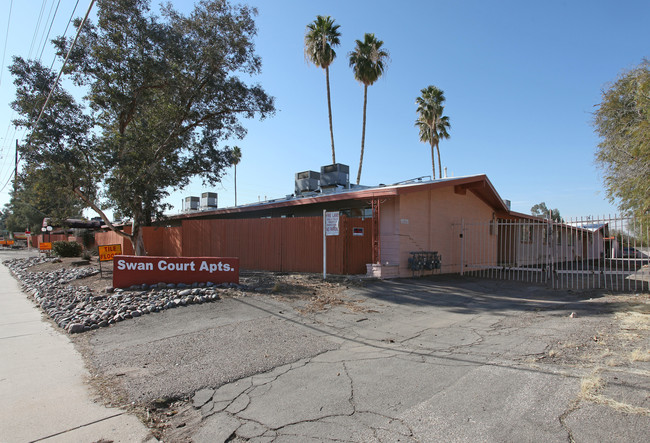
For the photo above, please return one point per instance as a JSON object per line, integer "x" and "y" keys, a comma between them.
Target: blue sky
{"x": 522, "y": 80}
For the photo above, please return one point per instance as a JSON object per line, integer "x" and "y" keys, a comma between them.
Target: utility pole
{"x": 16, "y": 169}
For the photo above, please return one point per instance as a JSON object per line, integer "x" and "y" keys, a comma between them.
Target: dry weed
{"x": 640, "y": 355}
{"x": 590, "y": 388}
{"x": 634, "y": 321}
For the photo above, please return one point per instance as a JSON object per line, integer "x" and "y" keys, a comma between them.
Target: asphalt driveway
{"x": 443, "y": 359}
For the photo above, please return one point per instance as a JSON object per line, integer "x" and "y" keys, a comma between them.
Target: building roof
{"x": 479, "y": 185}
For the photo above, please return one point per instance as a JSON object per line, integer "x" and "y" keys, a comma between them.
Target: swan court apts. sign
{"x": 129, "y": 270}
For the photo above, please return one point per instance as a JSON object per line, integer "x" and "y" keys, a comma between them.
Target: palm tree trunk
{"x": 329, "y": 108}
{"x": 363, "y": 130}
{"x": 235, "y": 185}
{"x": 439, "y": 164}
{"x": 433, "y": 161}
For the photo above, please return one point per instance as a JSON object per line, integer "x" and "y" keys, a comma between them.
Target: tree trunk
{"x": 104, "y": 217}
{"x": 363, "y": 130}
{"x": 329, "y": 108}
{"x": 235, "y": 185}
{"x": 439, "y": 163}
{"x": 136, "y": 238}
{"x": 433, "y": 161}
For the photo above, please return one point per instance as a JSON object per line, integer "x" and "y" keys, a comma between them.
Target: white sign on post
{"x": 331, "y": 223}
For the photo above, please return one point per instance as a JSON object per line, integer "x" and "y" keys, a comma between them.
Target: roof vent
{"x": 191, "y": 204}
{"x": 209, "y": 200}
{"x": 307, "y": 181}
{"x": 335, "y": 175}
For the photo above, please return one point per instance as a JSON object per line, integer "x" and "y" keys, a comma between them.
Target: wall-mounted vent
{"x": 191, "y": 204}
{"x": 307, "y": 181}
{"x": 335, "y": 175}
{"x": 209, "y": 200}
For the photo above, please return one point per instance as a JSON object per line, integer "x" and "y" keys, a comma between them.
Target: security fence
{"x": 610, "y": 253}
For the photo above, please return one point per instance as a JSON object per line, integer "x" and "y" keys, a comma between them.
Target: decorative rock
{"x": 76, "y": 309}
{"x": 75, "y": 328}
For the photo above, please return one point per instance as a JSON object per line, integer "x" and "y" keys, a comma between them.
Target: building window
{"x": 526, "y": 234}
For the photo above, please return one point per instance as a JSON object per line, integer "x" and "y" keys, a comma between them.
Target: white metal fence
{"x": 586, "y": 253}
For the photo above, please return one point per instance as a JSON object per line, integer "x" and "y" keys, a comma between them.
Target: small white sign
{"x": 331, "y": 223}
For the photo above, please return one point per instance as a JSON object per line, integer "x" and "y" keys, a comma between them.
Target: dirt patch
{"x": 613, "y": 334}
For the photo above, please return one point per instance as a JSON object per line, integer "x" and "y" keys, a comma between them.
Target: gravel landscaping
{"x": 77, "y": 308}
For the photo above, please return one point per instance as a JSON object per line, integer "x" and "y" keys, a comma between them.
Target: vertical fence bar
{"x": 633, "y": 251}
{"x": 584, "y": 244}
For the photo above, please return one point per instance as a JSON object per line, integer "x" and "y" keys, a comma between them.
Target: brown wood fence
{"x": 274, "y": 244}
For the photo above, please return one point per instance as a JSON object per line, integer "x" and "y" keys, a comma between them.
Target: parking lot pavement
{"x": 43, "y": 394}
{"x": 407, "y": 360}
{"x": 410, "y": 360}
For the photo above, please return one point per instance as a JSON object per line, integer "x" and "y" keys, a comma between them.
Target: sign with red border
{"x": 129, "y": 270}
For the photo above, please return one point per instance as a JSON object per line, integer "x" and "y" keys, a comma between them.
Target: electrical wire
{"x": 66, "y": 29}
{"x": 56, "y": 82}
{"x": 38, "y": 26}
{"x": 4, "y": 52}
{"x": 49, "y": 29}
{"x": 6, "y": 157}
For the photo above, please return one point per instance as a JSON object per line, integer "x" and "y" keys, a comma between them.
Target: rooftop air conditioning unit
{"x": 335, "y": 175}
{"x": 209, "y": 200}
{"x": 307, "y": 181}
{"x": 191, "y": 204}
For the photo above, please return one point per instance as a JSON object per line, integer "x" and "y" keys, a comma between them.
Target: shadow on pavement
{"x": 468, "y": 295}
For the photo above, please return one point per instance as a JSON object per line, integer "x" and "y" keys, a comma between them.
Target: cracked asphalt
{"x": 442, "y": 359}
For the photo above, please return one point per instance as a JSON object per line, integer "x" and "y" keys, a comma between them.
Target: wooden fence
{"x": 273, "y": 244}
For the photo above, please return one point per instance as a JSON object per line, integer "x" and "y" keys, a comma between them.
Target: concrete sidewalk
{"x": 43, "y": 395}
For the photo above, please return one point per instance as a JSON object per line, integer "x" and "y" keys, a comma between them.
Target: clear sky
{"x": 521, "y": 79}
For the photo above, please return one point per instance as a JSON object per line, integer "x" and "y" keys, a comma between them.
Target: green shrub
{"x": 66, "y": 248}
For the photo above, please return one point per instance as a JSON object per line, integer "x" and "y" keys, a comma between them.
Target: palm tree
{"x": 433, "y": 125}
{"x": 367, "y": 61}
{"x": 322, "y": 35}
{"x": 236, "y": 158}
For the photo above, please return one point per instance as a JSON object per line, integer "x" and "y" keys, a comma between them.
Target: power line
{"x": 50, "y": 28}
{"x": 66, "y": 29}
{"x": 56, "y": 82}
{"x": 6, "y": 155}
{"x": 4, "y": 52}
{"x": 38, "y": 26}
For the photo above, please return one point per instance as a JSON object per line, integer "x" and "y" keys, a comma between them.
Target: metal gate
{"x": 610, "y": 253}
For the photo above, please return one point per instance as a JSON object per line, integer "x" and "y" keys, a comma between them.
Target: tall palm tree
{"x": 368, "y": 63}
{"x": 236, "y": 158}
{"x": 433, "y": 125}
{"x": 321, "y": 37}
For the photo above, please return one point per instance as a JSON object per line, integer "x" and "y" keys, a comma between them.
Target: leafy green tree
{"x": 542, "y": 211}
{"x": 320, "y": 39}
{"x": 34, "y": 199}
{"x": 368, "y": 63}
{"x": 162, "y": 93}
{"x": 432, "y": 124}
{"x": 622, "y": 121}
{"x": 236, "y": 158}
